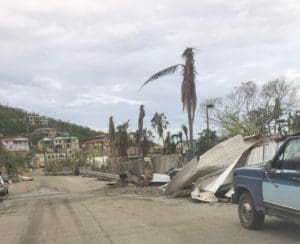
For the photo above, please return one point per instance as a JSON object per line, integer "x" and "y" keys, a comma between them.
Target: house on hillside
{"x": 46, "y": 145}
{"x": 16, "y": 144}
{"x": 65, "y": 145}
{"x": 44, "y": 132}
{"x": 36, "y": 119}
{"x": 99, "y": 144}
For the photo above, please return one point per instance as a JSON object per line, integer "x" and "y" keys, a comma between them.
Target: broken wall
{"x": 163, "y": 163}
{"x": 119, "y": 166}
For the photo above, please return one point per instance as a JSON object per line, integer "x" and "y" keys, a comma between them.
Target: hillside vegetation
{"x": 13, "y": 122}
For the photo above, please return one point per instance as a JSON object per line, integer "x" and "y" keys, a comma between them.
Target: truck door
{"x": 281, "y": 185}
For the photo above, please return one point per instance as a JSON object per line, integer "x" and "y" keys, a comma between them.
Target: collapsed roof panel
{"x": 217, "y": 158}
{"x": 221, "y": 184}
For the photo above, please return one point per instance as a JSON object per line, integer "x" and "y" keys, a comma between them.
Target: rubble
{"x": 207, "y": 179}
{"x": 159, "y": 179}
{"x": 220, "y": 182}
{"x": 184, "y": 178}
{"x": 214, "y": 160}
{"x": 146, "y": 179}
{"x": 25, "y": 178}
{"x": 129, "y": 177}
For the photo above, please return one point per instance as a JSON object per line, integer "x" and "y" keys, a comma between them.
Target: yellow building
{"x": 66, "y": 145}
{"x": 100, "y": 144}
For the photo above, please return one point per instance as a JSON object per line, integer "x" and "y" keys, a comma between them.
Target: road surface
{"x": 81, "y": 210}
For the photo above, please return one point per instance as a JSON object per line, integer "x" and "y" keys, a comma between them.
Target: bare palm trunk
{"x": 163, "y": 140}
{"x": 190, "y": 121}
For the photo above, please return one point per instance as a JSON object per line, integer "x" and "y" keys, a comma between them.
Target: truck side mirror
{"x": 268, "y": 166}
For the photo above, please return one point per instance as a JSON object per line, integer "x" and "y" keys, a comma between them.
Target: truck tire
{"x": 249, "y": 217}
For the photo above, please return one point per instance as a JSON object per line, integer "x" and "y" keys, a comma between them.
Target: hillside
{"x": 13, "y": 122}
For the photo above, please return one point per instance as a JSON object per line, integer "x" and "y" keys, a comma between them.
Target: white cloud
{"x": 80, "y": 59}
{"x": 105, "y": 99}
{"x": 116, "y": 88}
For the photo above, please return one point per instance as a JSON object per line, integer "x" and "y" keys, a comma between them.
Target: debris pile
{"x": 207, "y": 179}
{"x": 25, "y": 178}
{"x": 210, "y": 178}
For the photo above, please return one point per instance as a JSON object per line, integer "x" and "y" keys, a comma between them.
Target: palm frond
{"x": 167, "y": 71}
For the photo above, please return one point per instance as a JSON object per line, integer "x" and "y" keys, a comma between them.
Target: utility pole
{"x": 207, "y": 122}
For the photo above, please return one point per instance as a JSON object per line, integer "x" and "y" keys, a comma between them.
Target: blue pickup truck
{"x": 272, "y": 190}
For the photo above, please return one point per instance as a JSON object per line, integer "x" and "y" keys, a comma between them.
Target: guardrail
{"x": 85, "y": 172}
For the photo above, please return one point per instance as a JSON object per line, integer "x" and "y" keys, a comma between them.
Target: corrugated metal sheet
{"x": 262, "y": 153}
{"x": 219, "y": 157}
{"x": 183, "y": 178}
{"x": 258, "y": 154}
{"x": 225, "y": 153}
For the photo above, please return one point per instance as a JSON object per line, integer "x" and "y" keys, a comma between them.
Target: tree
{"x": 188, "y": 87}
{"x": 251, "y": 109}
{"x": 178, "y": 138}
{"x": 167, "y": 139}
{"x": 159, "y": 123}
{"x": 202, "y": 145}
{"x": 294, "y": 122}
{"x": 146, "y": 141}
{"x": 232, "y": 124}
{"x": 112, "y": 135}
{"x": 122, "y": 139}
{"x": 140, "y": 129}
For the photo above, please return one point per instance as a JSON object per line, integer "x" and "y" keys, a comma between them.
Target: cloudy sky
{"x": 82, "y": 61}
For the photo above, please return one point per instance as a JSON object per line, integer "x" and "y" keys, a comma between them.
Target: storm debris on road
{"x": 210, "y": 178}
{"x": 25, "y": 178}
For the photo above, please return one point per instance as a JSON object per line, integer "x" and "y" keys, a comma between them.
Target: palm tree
{"x": 178, "y": 140}
{"x": 185, "y": 131}
{"x": 168, "y": 139}
{"x": 122, "y": 139}
{"x": 146, "y": 141}
{"x": 112, "y": 135}
{"x": 140, "y": 129}
{"x": 159, "y": 123}
{"x": 188, "y": 87}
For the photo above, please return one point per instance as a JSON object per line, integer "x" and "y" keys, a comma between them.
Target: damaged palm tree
{"x": 185, "y": 131}
{"x": 122, "y": 140}
{"x": 112, "y": 136}
{"x": 159, "y": 123}
{"x": 140, "y": 129}
{"x": 188, "y": 87}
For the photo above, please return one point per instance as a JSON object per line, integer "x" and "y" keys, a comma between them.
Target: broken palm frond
{"x": 166, "y": 71}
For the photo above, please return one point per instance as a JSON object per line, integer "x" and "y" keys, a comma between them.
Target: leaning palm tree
{"x": 188, "y": 87}
{"x": 140, "y": 129}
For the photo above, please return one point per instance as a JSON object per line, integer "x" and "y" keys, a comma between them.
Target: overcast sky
{"x": 82, "y": 61}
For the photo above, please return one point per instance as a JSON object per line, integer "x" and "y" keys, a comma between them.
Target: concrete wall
{"x": 119, "y": 166}
{"x": 158, "y": 164}
{"x": 162, "y": 163}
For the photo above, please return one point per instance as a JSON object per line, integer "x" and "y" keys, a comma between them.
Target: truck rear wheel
{"x": 249, "y": 217}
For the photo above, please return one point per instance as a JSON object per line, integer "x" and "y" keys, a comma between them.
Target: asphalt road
{"x": 81, "y": 210}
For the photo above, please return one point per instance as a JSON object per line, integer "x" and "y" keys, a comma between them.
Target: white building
{"x": 35, "y": 119}
{"x": 15, "y": 144}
